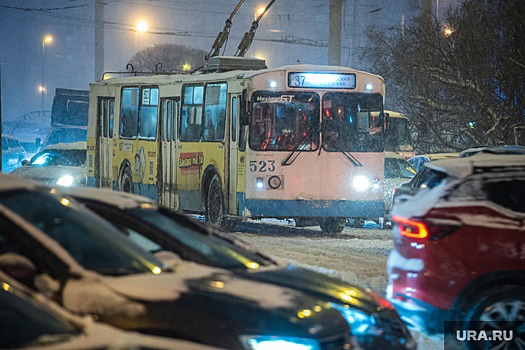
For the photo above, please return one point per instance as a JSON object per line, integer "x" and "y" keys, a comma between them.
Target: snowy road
{"x": 355, "y": 255}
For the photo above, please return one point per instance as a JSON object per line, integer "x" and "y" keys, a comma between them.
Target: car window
{"x": 428, "y": 178}
{"x": 66, "y": 157}
{"x": 218, "y": 250}
{"x": 93, "y": 243}
{"x": 505, "y": 188}
{"x": 23, "y": 323}
{"x": 398, "y": 168}
{"x": 509, "y": 194}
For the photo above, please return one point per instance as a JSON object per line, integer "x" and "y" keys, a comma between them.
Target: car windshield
{"x": 222, "y": 252}
{"x": 59, "y": 157}
{"x": 23, "y": 323}
{"x": 398, "y": 168}
{"x": 66, "y": 135}
{"x": 93, "y": 243}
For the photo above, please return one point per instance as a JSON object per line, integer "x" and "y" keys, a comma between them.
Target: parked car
{"x": 374, "y": 322}
{"x": 427, "y": 177}
{"x": 62, "y": 164}
{"x": 28, "y": 320}
{"x": 504, "y": 149}
{"x": 418, "y": 161}
{"x": 458, "y": 248}
{"x": 397, "y": 171}
{"x": 89, "y": 267}
{"x": 13, "y": 153}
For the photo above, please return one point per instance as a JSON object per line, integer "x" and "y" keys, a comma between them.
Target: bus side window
{"x": 129, "y": 118}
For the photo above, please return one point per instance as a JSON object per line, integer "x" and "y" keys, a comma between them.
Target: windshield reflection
{"x": 92, "y": 242}
{"x": 352, "y": 122}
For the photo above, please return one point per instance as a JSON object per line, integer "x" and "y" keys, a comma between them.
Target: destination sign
{"x": 322, "y": 80}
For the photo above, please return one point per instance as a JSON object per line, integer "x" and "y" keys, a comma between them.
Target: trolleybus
{"x": 238, "y": 140}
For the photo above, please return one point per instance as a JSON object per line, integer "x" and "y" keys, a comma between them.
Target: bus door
{"x": 167, "y": 185}
{"x": 105, "y": 141}
{"x": 232, "y": 153}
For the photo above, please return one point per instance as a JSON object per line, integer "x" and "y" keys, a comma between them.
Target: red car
{"x": 459, "y": 247}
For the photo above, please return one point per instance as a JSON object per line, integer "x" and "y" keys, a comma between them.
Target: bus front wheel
{"x": 335, "y": 225}
{"x": 214, "y": 210}
{"x": 125, "y": 183}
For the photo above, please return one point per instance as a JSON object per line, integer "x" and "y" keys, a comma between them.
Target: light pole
{"x": 48, "y": 39}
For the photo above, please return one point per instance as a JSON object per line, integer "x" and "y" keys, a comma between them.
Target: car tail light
{"x": 410, "y": 228}
{"x": 429, "y": 229}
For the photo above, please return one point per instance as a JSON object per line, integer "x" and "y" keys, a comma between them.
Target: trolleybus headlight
{"x": 259, "y": 183}
{"x": 360, "y": 183}
{"x": 65, "y": 180}
{"x": 274, "y": 182}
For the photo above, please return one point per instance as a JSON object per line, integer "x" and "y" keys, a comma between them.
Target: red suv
{"x": 459, "y": 247}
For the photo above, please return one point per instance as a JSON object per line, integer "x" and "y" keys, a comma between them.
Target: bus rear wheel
{"x": 214, "y": 211}
{"x": 125, "y": 183}
{"x": 335, "y": 225}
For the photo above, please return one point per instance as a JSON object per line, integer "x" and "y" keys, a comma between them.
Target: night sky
{"x": 68, "y": 61}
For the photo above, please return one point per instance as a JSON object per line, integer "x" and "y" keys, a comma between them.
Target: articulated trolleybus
{"x": 238, "y": 140}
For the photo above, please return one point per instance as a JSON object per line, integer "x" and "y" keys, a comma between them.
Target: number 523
{"x": 262, "y": 166}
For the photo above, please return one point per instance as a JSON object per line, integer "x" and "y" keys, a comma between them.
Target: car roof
{"x": 461, "y": 167}
{"x": 120, "y": 199}
{"x": 501, "y": 149}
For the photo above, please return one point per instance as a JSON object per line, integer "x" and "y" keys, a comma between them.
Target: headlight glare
{"x": 360, "y": 323}
{"x": 360, "y": 183}
{"x": 65, "y": 180}
{"x": 262, "y": 342}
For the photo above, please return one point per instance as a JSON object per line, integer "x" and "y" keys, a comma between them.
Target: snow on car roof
{"x": 118, "y": 198}
{"x": 461, "y": 167}
{"x": 80, "y": 145}
{"x": 12, "y": 182}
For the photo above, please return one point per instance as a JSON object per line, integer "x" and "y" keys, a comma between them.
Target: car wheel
{"x": 125, "y": 183}
{"x": 214, "y": 210}
{"x": 499, "y": 309}
{"x": 335, "y": 225}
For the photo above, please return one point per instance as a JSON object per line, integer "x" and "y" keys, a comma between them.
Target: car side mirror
{"x": 168, "y": 257}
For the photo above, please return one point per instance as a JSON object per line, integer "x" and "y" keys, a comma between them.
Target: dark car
{"x": 427, "y": 177}
{"x": 459, "y": 250}
{"x": 28, "y": 321}
{"x": 89, "y": 267}
{"x": 374, "y": 322}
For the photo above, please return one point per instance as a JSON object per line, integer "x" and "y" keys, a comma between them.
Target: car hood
{"x": 321, "y": 286}
{"x": 49, "y": 175}
{"x": 190, "y": 283}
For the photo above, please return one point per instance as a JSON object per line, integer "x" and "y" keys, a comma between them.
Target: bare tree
{"x": 168, "y": 58}
{"x": 461, "y": 81}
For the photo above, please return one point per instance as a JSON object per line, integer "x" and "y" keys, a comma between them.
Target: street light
{"x": 140, "y": 27}
{"x": 47, "y": 39}
{"x": 258, "y": 12}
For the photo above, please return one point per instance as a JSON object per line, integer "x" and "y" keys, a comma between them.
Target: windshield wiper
{"x": 297, "y": 148}
{"x": 352, "y": 159}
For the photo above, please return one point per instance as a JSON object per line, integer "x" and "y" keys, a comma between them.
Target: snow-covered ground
{"x": 357, "y": 255}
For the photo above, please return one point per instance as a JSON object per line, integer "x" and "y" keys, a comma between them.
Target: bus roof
{"x": 239, "y": 74}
